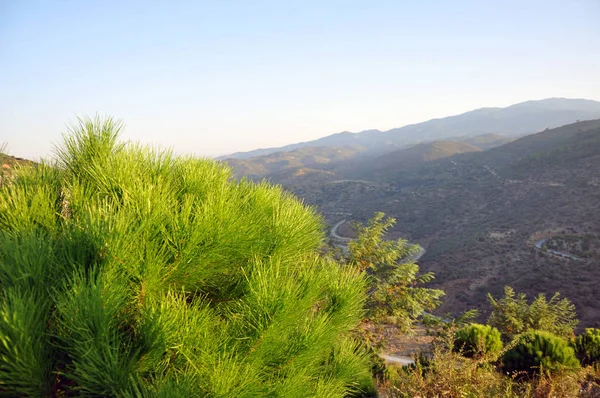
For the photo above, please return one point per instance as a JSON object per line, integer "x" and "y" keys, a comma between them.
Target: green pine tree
{"x": 128, "y": 271}
{"x": 396, "y": 287}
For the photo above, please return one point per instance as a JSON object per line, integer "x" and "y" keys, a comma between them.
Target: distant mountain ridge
{"x": 410, "y": 158}
{"x": 518, "y": 119}
{"x": 278, "y": 162}
{"x": 426, "y": 152}
{"x": 478, "y": 214}
{"x": 484, "y": 141}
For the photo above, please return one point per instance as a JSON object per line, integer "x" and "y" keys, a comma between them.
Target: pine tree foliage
{"x": 512, "y": 314}
{"x": 127, "y": 271}
{"x": 477, "y": 340}
{"x": 396, "y": 286}
{"x": 587, "y": 346}
{"x": 537, "y": 350}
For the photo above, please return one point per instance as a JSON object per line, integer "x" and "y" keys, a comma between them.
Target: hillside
{"x": 330, "y": 163}
{"x": 484, "y": 141}
{"x": 8, "y": 163}
{"x": 315, "y": 157}
{"x": 479, "y": 213}
{"x": 302, "y": 175}
{"x": 523, "y": 118}
{"x": 428, "y": 152}
{"x": 385, "y": 166}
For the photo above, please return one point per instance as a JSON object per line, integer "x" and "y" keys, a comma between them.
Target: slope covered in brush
{"x": 387, "y": 166}
{"x": 280, "y": 162}
{"x": 126, "y": 271}
{"x": 479, "y": 214}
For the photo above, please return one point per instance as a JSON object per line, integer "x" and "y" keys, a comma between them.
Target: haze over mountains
{"x": 476, "y": 200}
{"x": 478, "y": 214}
{"x": 523, "y": 118}
{"x": 477, "y": 192}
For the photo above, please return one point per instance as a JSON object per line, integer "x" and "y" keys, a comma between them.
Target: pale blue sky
{"x": 212, "y": 77}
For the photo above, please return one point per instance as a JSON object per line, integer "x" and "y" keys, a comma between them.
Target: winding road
{"x": 339, "y": 241}
{"x": 540, "y": 245}
{"x": 335, "y": 234}
{"x": 342, "y": 239}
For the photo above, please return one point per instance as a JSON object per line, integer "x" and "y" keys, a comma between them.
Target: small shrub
{"x": 587, "y": 347}
{"x": 537, "y": 350}
{"x": 446, "y": 374}
{"x": 478, "y": 340}
{"x": 512, "y": 314}
{"x": 398, "y": 291}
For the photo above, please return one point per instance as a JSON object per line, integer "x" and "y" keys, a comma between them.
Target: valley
{"x": 475, "y": 211}
{"x": 300, "y": 199}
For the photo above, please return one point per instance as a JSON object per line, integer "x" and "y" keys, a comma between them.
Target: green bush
{"x": 512, "y": 315}
{"x": 478, "y": 340}
{"x": 587, "y": 347}
{"x": 537, "y": 350}
{"x": 127, "y": 271}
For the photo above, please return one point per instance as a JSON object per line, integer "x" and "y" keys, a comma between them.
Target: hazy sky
{"x": 212, "y": 77}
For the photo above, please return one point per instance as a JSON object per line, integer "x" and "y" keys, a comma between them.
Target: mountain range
{"x": 515, "y": 120}
{"x": 475, "y": 190}
{"x": 476, "y": 199}
{"x": 479, "y": 213}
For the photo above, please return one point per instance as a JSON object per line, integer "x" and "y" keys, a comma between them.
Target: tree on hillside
{"x": 395, "y": 286}
{"x": 512, "y": 315}
{"x": 127, "y": 271}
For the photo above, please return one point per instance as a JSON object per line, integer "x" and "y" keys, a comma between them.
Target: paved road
{"x": 336, "y": 236}
{"x": 540, "y": 243}
{"x": 402, "y": 360}
{"x": 334, "y": 232}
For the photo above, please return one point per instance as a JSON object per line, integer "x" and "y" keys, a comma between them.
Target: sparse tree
{"x": 396, "y": 287}
{"x": 512, "y": 315}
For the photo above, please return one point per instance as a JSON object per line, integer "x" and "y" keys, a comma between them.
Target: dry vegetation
{"x": 476, "y": 214}
{"x": 451, "y": 375}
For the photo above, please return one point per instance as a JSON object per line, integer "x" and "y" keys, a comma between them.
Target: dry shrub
{"x": 449, "y": 374}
